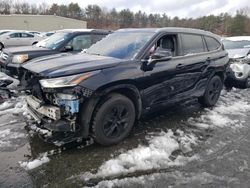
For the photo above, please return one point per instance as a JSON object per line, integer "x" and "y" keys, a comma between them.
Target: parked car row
{"x": 10, "y": 38}
{"x": 73, "y": 41}
{"x": 119, "y": 78}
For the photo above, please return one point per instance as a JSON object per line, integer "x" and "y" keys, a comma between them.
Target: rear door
{"x": 195, "y": 61}
{"x": 27, "y": 39}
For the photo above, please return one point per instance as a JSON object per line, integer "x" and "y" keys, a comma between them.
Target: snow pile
{"x": 35, "y": 163}
{"x": 8, "y": 136}
{"x": 44, "y": 132}
{"x": 154, "y": 156}
{"x": 3, "y": 76}
{"x": 180, "y": 180}
{"x": 10, "y": 107}
{"x": 224, "y": 114}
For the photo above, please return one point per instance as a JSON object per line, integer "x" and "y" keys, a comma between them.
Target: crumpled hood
{"x": 68, "y": 64}
{"x": 24, "y": 49}
{"x": 238, "y": 53}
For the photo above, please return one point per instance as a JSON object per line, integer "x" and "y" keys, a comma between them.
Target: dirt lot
{"x": 185, "y": 146}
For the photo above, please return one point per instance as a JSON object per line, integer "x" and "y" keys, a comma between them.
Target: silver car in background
{"x": 238, "y": 73}
{"x": 18, "y": 38}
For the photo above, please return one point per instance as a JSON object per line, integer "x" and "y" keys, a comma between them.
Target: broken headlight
{"x": 67, "y": 81}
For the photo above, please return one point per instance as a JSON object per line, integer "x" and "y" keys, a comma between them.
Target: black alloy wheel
{"x": 113, "y": 119}
{"x": 212, "y": 92}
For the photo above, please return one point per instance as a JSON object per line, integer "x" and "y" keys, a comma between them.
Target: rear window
{"x": 192, "y": 44}
{"x": 212, "y": 44}
{"x": 27, "y": 35}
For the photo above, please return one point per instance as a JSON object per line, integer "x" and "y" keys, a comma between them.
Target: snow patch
{"x": 154, "y": 156}
{"x": 9, "y": 107}
{"x": 35, "y": 163}
{"x": 223, "y": 114}
{"x": 7, "y": 136}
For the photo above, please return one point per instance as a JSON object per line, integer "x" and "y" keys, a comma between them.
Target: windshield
{"x": 3, "y": 32}
{"x": 54, "y": 41}
{"x": 228, "y": 44}
{"x": 122, "y": 45}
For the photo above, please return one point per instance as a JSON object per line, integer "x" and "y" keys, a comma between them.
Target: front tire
{"x": 212, "y": 92}
{"x": 113, "y": 119}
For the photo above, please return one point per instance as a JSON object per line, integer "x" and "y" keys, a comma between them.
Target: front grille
{"x": 4, "y": 56}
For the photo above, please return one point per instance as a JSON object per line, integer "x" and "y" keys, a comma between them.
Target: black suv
{"x": 67, "y": 40}
{"x": 121, "y": 78}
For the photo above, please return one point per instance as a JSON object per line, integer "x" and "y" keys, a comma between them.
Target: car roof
{"x": 84, "y": 30}
{"x": 237, "y": 38}
{"x": 172, "y": 30}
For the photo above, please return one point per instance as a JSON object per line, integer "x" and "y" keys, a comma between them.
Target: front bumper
{"x": 49, "y": 116}
{"x": 237, "y": 78}
{"x": 48, "y": 111}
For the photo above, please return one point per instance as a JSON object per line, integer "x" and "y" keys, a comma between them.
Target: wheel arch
{"x": 221, "y": 75}
{"x": 88, "y": 108}
{"x": 124, "y": 88}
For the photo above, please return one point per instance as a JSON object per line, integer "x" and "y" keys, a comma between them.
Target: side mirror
{"x": 68, "y": 48}
{"x": 158, "y": 56}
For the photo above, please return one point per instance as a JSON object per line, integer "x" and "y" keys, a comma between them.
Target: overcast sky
{"x": 181, "y": 8}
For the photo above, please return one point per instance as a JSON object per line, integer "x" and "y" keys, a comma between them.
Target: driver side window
{"x": 80, "y": 42}
{"x": 165, "y": 43}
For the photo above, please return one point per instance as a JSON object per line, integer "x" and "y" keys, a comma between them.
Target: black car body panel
{"x": 150, "y": 84}
{"x": 15, "y": 70}
{"x": 69, "y": 64}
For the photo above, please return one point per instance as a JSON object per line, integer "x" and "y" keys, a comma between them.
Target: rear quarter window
{"x": 192, "y": 44}
{"x": 212, "y": 44}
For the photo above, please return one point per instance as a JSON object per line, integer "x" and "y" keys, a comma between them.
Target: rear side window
{"x": 15, "y": 35}
{"x": 192, "y": 44}
{"x": 212, "y": 44}
{"x": 27, "y": 35}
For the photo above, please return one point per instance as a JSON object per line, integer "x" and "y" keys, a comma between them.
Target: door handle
{"x": 179, "y": 66}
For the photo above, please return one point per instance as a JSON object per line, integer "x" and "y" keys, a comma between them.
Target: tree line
{"x": 101, "y": 17}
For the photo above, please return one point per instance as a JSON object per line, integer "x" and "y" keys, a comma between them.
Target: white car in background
{"x": 18, "y": 38}
{"x": 238, "y": 48}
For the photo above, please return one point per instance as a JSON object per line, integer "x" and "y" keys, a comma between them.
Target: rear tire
{"x": 212, "y": 92}
{"x": 113, "y": 119}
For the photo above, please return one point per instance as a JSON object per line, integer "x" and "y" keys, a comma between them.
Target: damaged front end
{"x": 238, "y": 73}
{"x": 57, "y": 109}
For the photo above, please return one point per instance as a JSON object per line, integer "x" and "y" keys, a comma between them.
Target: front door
{"x": 170, "y": 81}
